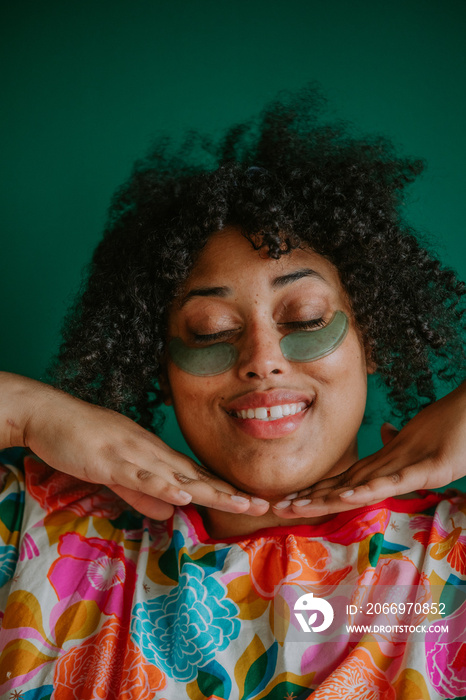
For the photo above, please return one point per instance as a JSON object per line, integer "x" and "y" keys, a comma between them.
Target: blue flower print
{"x": 8, "y": 559}
{"x": 182, "y": 631}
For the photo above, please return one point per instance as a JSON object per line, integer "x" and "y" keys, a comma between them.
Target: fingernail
{"x": 291, "y": 496}
{"x": 347, "y": 493}
{"x": 185, "y": 496}
{"x": 259, "y": 501}
{"x": 239, "y": 499}
{"x": 302, "y": 502}
{"x": 281, "y": 504}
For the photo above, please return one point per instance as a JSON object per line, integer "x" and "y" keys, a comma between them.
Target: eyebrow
{"x": 296, "y": 275}
{"x": 278, "y": 282}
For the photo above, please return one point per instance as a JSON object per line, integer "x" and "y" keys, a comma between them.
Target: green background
{"x": 88, "y": 84}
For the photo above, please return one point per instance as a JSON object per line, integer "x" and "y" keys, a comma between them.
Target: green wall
{"x": 88, "y": 84}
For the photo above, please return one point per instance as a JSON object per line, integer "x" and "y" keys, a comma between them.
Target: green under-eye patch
{"x": 301, "y": 346}
{"x": 204, "y": 362}
{"x": 307, "y": 346}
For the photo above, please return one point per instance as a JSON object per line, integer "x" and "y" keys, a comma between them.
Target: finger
{"x": 375, "y": 490}
{"x": 404, "y": 481}
{"x": 355, "y": 472}
{"x": 147, "y": 505}
{"x": 318, "y": 489}
{"x": 198, "y": 488}
{"x": 393, "y": 451}
{"x": 345, "y": 477}
{"x": 395, "y": 468}
{"x": 380, "y": 463}
{"x": 330, "y": 501}
{"x": 306, "y": 507}
{"x": 312, "y": 509}
{"x": 208, "y": 490}
{"x": 205, "y": 494}
{"x": 187, "y": 474}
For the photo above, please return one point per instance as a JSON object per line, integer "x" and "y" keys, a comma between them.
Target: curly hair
{"x": 285, "y": 180}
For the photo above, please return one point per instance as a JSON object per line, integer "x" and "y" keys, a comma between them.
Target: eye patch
{"x": 203, "y": 362}
{"x": 307, "y": 346}
{"x": 300, "y": 346}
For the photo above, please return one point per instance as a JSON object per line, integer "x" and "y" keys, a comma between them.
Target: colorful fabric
{"x": 99, "y": 602}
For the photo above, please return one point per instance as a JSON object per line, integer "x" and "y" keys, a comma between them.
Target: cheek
{"x": 192, "y": 395}
{"x": 343, "y": 377}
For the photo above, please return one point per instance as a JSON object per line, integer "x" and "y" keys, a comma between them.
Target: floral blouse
{"x": 100, "y": 602}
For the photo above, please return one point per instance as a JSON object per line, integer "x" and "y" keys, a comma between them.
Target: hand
{"x": 429, "y": 452}
{"x": 101, "y": 446}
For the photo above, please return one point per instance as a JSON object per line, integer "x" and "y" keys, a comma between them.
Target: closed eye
{"x": 212, "y": 337}
{"x": 225, "y": 335}
{"x": 305, "y": 325}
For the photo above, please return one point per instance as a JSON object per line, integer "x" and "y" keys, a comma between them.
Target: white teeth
{"x": 272, "y": 413}
{"x": 276, "y": 412}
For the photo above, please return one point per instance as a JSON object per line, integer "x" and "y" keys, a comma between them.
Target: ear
{"x": 164, "y": 385}
{"x": 371, "y": 367}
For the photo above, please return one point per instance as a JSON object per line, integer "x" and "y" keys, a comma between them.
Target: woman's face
{"x": 252, "y": 301}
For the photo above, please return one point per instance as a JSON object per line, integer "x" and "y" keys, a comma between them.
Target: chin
{"x": 264, "y": 484}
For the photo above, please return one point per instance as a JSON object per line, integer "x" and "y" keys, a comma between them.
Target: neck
{"x": 220, "y": 524}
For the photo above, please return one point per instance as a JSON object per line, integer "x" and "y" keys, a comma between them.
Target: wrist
{"x": 21, "y": 400}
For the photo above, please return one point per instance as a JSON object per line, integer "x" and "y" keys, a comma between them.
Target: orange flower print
{"x": 357, "y": 678}
{"x": 107, "y": 666}
{"x": 450, "y": 544}
{"x": 276, "y": 562}
{"x": 58, "y": 491}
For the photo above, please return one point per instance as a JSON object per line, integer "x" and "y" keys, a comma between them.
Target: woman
{"x": 261, "y": 294}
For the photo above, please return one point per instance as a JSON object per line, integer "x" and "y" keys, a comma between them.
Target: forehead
{"x": 228, "y": 255}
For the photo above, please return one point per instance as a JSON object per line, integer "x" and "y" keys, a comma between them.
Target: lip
{"x": 273, "y": 397}
{"x": 269, "y": 430}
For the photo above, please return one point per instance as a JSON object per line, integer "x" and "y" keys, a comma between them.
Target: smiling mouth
{"x": 270, "y": 413}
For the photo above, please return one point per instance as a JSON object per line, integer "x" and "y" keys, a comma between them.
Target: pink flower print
{"x": 105, "y": 573}
{"x": 29, "y": 548}
{"x": 360, "y": 527}
{"x": 93, "y": 569}
{"x": 446, "y": 655}
{"x": 390, "y": 592}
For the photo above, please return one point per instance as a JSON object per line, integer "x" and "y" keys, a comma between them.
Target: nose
{"x": 261, "y": 355}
